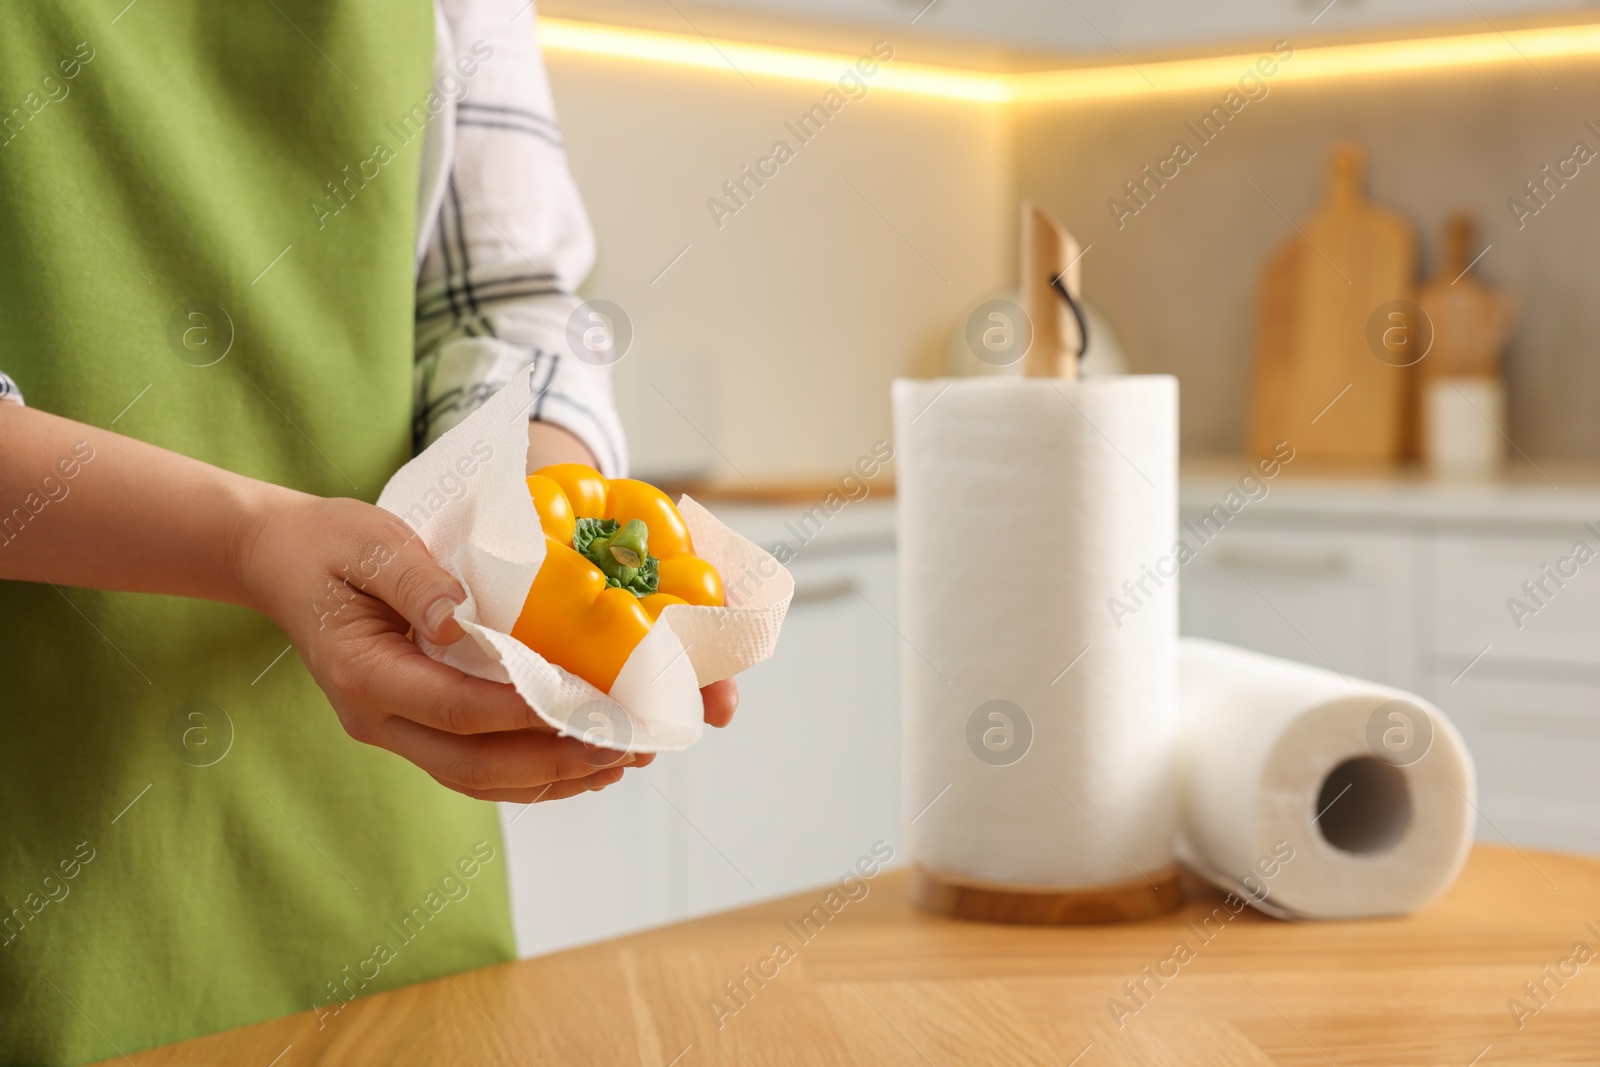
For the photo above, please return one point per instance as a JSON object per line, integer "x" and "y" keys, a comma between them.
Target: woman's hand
{"x": 347, "y": 580}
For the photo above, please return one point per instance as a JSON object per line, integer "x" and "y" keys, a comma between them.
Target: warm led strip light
{"x": 1086, "y": 83}
{"x": 818, "y": 68}
{"x": 1313, "y": 61}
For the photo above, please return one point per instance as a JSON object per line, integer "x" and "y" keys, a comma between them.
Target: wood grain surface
{"x": 881, "y": 983}
{"x": 1470, "y": 321}
{"x": 1049, "y": 252}
{"x": 1319, "y": 383}
{"x": 1151, "y": 894}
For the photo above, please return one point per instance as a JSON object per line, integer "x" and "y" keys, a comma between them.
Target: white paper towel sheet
{"x": 467, "y": 496}
{"x": 1262, "y": 745}
{"x": 1038, "y": 719}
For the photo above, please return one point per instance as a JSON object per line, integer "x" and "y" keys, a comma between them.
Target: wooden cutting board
{"x": 1318, "y": 383}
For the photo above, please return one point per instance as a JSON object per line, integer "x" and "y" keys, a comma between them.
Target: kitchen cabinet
{"x": 1400, "y": 582}
{"x": 1537, "y": 746}
{"x": 809, "y": 778}
{"x": 1340, "y": 599}
{"x": 790, "y": 796}
{"x": 1530, "y": 599}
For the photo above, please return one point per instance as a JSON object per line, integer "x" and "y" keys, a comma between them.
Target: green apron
{"x": 188, "y": 840}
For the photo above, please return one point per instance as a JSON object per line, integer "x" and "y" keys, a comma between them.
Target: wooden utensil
{"x": 1050, "y": 257}
{"x": 1319, "y": 383}
{"x": 1470, "y": 325}
{"x": 1471, "y": 321}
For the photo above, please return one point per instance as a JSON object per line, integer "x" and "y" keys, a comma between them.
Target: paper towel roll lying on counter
{"x": 1038, "y": 662}
{"x": 1369, "y": 789}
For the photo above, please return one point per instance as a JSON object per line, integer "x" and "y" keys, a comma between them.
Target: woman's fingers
{"x": 720, "y": 698}
{"x": 481, "y": 763}
{"x": 554, "y": 791}
{"x": 403, "y": 681}
{"x": 406, "y": 578}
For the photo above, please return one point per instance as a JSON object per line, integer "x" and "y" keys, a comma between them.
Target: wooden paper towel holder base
{"x": 1139, "y": 898}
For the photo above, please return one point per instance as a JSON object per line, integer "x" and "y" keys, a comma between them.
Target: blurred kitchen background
{"x": 765, "y": 340}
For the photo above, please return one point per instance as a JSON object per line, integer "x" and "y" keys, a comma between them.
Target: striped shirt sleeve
{"x": 497, "y": 287}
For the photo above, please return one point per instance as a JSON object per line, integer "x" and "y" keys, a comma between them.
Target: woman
{"x": 211, "y": 218}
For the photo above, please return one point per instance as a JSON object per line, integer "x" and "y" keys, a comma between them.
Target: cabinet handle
{"x": 1304, "y": 564}
{"x": 818, "y": 592}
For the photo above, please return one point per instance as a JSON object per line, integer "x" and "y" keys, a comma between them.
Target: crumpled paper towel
{"x": 467, "y": 497}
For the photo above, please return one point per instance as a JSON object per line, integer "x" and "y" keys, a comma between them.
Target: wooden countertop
{"x": 883, "y": 984}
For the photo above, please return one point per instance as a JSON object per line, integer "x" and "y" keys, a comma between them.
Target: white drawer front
{"x": 1537, "y": 748}
{"x": 1523, "y": 597}
{"x": 1334, "y": 599}
{"x": 807, "y": 777}
{"x": 789, "y": 796}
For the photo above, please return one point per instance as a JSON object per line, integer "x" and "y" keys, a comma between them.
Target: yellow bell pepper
{"x": 616, "y": 553}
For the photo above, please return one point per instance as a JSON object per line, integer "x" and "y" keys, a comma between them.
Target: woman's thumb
{"x": 421, "y": 590}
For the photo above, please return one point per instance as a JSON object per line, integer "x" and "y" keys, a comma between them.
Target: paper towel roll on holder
{"x": 1049, "y": 273}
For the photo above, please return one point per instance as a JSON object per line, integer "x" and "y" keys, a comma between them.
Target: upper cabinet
{"x": 1094, "y": 27}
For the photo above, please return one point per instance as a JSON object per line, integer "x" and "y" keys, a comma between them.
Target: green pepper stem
{"x": 623, "y": 554}
{"x": 631, "y": 544}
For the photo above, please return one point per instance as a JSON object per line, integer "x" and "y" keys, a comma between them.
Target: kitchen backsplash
{"x": 840, "y": 270}
{"x": 1177, "y": 270}
{"x": 866, "y": 243}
